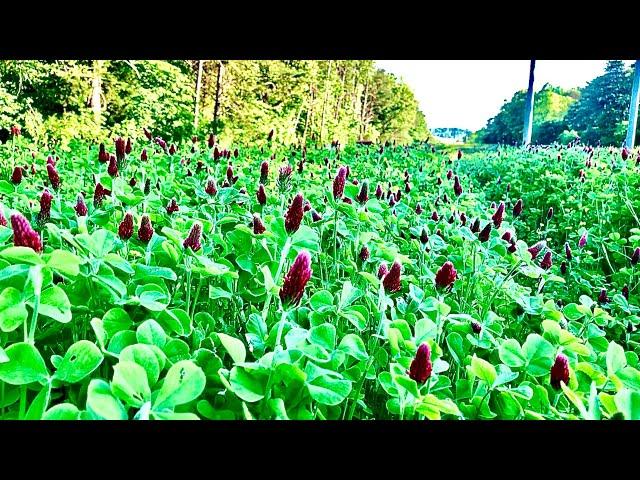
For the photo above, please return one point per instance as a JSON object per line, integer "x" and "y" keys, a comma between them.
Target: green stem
{"x": 283, "y": 318}
{"x": 421, "y": 276}
{"x": 335, "y": 235}
{"x": 283, "y": 258}
{"x": 354, "y": 403}
{"x": 34, "y": 319}
{"x": 187, "y": 266}
{"x": 277, "y": 348}
{"x": 429, "y": 385}
{"x": 36, "y": 279}
{"x": 193, "y": 308}
{"x": 487, "y": 305}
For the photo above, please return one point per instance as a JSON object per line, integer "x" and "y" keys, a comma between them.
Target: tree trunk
{"x": 633, "y": 107}
{"x": 196, "y": 113}
{"x": 363, "y": 126}
{"x": 309, "y": 116}
{"x": 96, "y": 91}
{"x": 528, "y": 108}
{"x": 324, "y": 103}
{"x": 340, "y": 97}
{"x": 217, "y": 99}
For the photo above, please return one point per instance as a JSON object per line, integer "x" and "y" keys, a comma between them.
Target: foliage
{"x": 101, "y": 327}
{"x": 550, "y": 106}
{"x": 603, "y": 106}
{"x": 303, "y": 101}
{"x": 596, "y": 113}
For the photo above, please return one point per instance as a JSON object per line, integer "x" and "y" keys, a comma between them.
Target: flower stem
{"x": 354, "y": 403}
{"x": 187, "y": 266}
{"x": 283, "y": 258}
{"x": 193, "y": 307}
{"x": 36, "y": 279}
{"x": 34, "y": 318}
{"x": 283, "y": 318}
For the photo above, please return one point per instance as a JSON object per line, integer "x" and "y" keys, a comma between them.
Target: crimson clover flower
{"x": 296, "y": 280}
{"x": 125, "y": 229}
{"x": 457, "y": 188}
{"x": 261, "y": 195}
{"x": 560, "y": 371}
{"x": 264, "y": 172}
{"x": 484, "y": 234}
{"x": 446, "y": 275}
{"x": 382, "y": 270}
{"x": 338, "y": 183}
{"x": 583, "y": 240}
{"x": 517, "y": 209}
{"x": 23, "y": 234}
{"x": 16, "y": 176}
{"x": 193, "y": 239}
{"x": 546, "y": 262}
{"x": 535, "y": 249}
{"x": 45, "y": 206}
{"x": 391, "y": 280}
{"x": 421, "y": 366}
{"x": 211, "y": 188}
{"x": 145, "y": 231}
{"x": 81, "y": 207}
{"x": 498, "y": 215}
{"x": 172, "y": 207}
{"x": 293, "y": 216}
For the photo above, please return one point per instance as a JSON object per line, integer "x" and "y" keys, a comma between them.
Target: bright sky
{"x": 466, "y": 93}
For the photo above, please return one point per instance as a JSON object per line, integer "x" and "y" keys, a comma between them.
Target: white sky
{"x": 466, "y": 93}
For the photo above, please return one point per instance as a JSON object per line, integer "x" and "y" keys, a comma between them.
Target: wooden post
{"x": 633, "y": 107}
{"x": 528, "y": 108}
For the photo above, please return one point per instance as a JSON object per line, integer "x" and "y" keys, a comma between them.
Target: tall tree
{"x": 603, "y": 106}
{"x": 217, "y": 99}
{"x": 198, "y": 88}
{"x": 528, "y": 109}
{"x": 244, "y": 100}
{"x": 550, "y": 109}
{"x": 96, "y": 91}
{"x": 327, "y": 85}
{"x": 633, "y": 107}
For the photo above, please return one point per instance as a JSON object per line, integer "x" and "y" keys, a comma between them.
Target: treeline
{"x": 597, "y": 113}
{"x": 456, "y": 133}
{"x": 304, "y": 102}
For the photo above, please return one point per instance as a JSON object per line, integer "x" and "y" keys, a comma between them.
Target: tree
{"x": 197, "y": 99}
{"x": 302, "y": 100}
{"x": 217, "y": 99}
{"x": 603, "y": 106}
{"x": 394, "y": 108}
{"x": 550, "y": 108}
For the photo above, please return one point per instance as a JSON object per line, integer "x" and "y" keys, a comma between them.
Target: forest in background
{"x": 303, "y": 101}
{"x": 596, "y": 113}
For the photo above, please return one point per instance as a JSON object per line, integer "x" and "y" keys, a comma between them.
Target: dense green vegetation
{"x": 279, "y": 240}
{"x": 596, "y": 113}
{"x": 415, "y": 285}
{"x": 304, "y": 102}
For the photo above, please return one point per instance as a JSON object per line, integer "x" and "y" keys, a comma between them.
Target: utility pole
{"x": 528, "y": 108}
{"x": 633, "y": 107}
